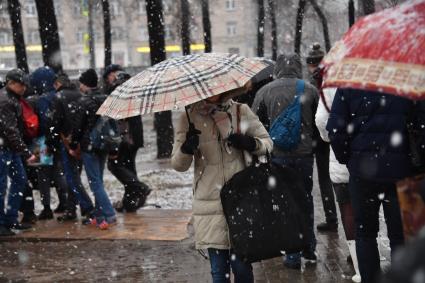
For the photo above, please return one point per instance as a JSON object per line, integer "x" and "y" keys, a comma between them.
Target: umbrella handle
{"x": 192, "y": 128}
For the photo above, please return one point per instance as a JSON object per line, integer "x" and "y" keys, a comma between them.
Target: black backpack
{"x": 261, "y": 205}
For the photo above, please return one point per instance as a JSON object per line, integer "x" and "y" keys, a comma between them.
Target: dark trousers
{"x": 124, "y": 169}
{"x": 222, "y": 260}
{"x": 304, "y": 165}
{"x": 367, "y": 198}
{"x": 27, "y": 205}
{"x": 52, "y": 174}
{"x": 77, "y": 193}
{"x": 322, "y": 152}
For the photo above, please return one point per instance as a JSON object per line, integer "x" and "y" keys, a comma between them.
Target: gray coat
{"x": 276, "y": 96}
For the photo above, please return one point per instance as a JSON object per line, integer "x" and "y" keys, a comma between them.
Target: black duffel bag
{"x": 262, "y": 207}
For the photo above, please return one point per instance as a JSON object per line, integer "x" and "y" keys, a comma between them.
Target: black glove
{"x": 242, "y": 142}
{"x": 192, "y": 141}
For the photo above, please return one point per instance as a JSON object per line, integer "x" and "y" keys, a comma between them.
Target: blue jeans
{"x": 304, "y": 165}
{"x": 94, "y": 164}
{"x": 366, "y": 198}
{"x": 11, "y": 165}
{"x": 222, "y": 260}
{"x": 73, "y": 178}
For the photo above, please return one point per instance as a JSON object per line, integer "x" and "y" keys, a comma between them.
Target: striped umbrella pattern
{"x": 178, "y": 82}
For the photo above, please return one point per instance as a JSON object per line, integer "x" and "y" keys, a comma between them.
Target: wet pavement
{"x": 140, "y": 259}
{"x": 158, "y": 261}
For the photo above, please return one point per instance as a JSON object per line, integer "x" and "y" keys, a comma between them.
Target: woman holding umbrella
{"x": 217, "y": 150}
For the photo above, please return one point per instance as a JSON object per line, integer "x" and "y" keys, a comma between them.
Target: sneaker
{"x": 67, "y": 216}
{"x": 292, "y": 261}
{"x": 29, "y": 218}
{"x": 89, "y": 221}
{"x": 105, "y": 225}
{"x": 4, "y": 231}
{"x": 19, "y": 226}
{"x": 309, "y": 256}
{"x": 45, "y": 214}
{"x": 61, "y": 208}
{"x": 327, "y": 227}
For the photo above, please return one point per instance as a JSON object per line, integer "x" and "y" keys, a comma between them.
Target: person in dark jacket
{"x": 13, "y": 151}
{"x": 124, "y": 166}
{"x": 94, "y": 161}
{"x": 42, "y": 80}
{"x": 322, "y": 148}
{"x": 63, "y": 108}
{"x": 368, "y": 132}
{"x": 269, "y": 102}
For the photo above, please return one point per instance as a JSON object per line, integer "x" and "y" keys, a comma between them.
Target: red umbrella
{"x": 382, "y": 52}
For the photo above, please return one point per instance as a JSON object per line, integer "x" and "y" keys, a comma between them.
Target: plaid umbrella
{"x": 178, "y": 82}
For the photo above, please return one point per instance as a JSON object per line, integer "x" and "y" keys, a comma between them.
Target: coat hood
{"x": 288, "y": 66}
{"x": 42, "y": 80}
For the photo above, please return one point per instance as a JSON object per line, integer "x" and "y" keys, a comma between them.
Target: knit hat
{"x": 89, "y": 78}
{"x": 17, "y": 75}
{"x": 111, "y": 68}
{"x": 315, "y": 55}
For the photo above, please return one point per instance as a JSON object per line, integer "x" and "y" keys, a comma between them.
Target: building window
{"x": 231, "y": 28}
{"x": 141, "y": 7}
{"x": 115, "y": 8}
{"x": 233, "y": 50}
{"x": 79, "y": 36}
{"x": 77, "y": 8}
{"x": 3, "y": 10}
{"x": 58, "y": 8}
{"x": 117, "y": 33}
{"x": 230, "y": 5}
{"x": 30, "y": 8}
{"x": 4, "y": 38}
{"x": 167, "y": 32}
{"x": 33, "y": 37}
{"x": 144, "y": 35}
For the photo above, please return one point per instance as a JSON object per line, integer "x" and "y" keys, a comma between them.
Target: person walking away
{"x": 368, "y": 132}
{"x": 216, "y": 150}
{"x": 42, "y": 80}
{"x": 61, "y": 122}
{"x": 93, "y": 159}
{"x": 13, "y": 152}
{"x": 270, "y": 101}
{"x": 340, "y": 177}
{"x": 321, "y": 148}
{"x": 124, "y": 166}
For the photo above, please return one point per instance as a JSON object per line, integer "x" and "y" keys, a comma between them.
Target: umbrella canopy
{"x": 383, "y": 52}
{"x": 178, "y": 82}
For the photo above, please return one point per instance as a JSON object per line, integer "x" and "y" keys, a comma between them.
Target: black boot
{"x": 29, "y": 218}
{"x": 61, "y": 208}
{"x": 4, "y": 231}
{"x": 45, "y": 214}
{"x": 67, "y": 216}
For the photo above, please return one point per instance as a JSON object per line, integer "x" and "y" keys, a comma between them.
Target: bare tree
{"x": 185, "y": 29}
{"x": 107, "y": 32}
{"x": 260, "y": 29}
{"x": 324, "y": 22}
{"x": 162, "y": 123}
{"x": 49, "y": 34}
{"x": 368, "y": 6}
{"x": 14, "y": 8}
{"x": 272, "y": 13}
{"x": 299, "y": 26}
{"x": 351, "y": 13}
{"x": 91, "y": 34}
{"x": 206, "y": 23}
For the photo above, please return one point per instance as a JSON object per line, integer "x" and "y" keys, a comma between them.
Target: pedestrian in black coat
{"x": 124, "y": 166}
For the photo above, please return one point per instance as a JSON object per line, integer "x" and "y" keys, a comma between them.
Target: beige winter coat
{"x": 213, "y": 167}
